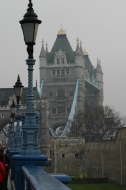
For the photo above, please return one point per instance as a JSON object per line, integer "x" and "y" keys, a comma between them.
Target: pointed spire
{"x": 78, "y": 48}
{"x": 46, "y": 47}
{"x": 81, "y": 50}
{"x": 98, "y": 68}
{"x": 43, "y": 52}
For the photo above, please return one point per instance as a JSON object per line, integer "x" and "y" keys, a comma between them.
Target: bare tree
{"x": 97, "y": 123}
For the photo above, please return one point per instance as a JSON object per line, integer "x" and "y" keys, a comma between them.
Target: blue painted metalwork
{"x": 52, "y": 131}
{"x": 30, "y": 126}
{"x": 65, "y": 179}
{"x": 17, "y": 133}
{"x": 72, "y": 112}
{"x": 36, "y": 178}
{"x": 25, "y": 160}
{"x": 11, "y": 136}
{"x": 41, "y": 88}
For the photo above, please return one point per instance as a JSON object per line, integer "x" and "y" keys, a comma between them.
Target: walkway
{"x": 9, "y": 185}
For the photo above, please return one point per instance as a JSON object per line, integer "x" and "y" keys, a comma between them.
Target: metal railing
{"x": 37, "y": 179}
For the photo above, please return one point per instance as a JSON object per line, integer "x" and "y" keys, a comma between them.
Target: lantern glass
{"x": 30, "y": 32}
{"x": 18, "y": 91}
{"x": 18, "y": 88}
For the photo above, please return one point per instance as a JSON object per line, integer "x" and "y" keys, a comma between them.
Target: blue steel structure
{"x": 18, "y": 134}
{"x": 72, "y": 112}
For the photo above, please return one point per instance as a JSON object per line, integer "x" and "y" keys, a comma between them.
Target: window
{"x": 58, "y": 71}
{"x": 76, "y": 155}
{"x": 58, "y": 61}
{"x": 63, "y": 155}
{"x": 68, "y": 110}
{"x": 71, "y": 93}
{"x": 53, "y": 110}
{"x": 53, "y": 72}
{"x": 62, "y": 60}
{"x": 63, "y": 71}
{"x": 67, "y": 71}
{"x": 61, "y": 109}
{"x": 61, "y": 93}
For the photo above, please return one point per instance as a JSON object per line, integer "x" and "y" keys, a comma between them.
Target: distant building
{"x": 59, "y": 71}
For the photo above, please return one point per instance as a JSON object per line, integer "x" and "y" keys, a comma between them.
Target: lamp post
{"x": 11, "y": 127}
{"x": 18, "y": 91}
{"x": 29, "y": 26}
{"x": 30, "y": 153}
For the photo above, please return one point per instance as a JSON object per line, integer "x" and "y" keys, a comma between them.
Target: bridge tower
{"x": 59, "y": 69}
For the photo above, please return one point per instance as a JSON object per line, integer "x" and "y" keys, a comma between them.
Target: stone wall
{"x": 65, "y": 153}
{"x": 107, "y": 158}
{"x": 93, "y": 159}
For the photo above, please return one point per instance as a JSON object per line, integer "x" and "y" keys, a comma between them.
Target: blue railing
{"x": 37, "y": 179}
{"x": 27, "y": 173}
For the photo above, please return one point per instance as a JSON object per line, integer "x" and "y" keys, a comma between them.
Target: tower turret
{"x": 77, "y": 52}
{"x": 79, "y": 61}
{"x": 99, "y": 78}
{"x": 42, "y": 62}
{"x": 43, "y": 52}
{"x": 81, "y": 49}
{"x": 46, "y": 47}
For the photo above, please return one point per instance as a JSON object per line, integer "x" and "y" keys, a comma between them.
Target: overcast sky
{"x": 99, "y": 24}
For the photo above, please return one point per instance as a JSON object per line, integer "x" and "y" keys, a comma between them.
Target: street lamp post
{"x": 30, "y": 153}
{"x": 18, "y": 91}
{"x": 29, "y": 26}
{"x": 11, "y": 127}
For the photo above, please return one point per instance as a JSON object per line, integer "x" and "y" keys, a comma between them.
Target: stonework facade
{"x": 60, "y": 69}
{"x": 107, "y": 158}
{"x": 93, "y": 159}
{"x": 65, "y": 154}
{"x": 43, "y": 132}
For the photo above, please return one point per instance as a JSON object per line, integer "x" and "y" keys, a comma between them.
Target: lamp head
{"x": 18, "y": 89}
{"x": 29, "y": 26}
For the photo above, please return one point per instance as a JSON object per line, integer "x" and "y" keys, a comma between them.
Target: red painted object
{"x": 2, "y": 172}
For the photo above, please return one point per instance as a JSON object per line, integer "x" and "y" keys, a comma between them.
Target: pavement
{"x": 10, "y": 185}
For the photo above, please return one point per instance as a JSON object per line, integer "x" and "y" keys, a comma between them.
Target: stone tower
{"x": 59, "y": 69}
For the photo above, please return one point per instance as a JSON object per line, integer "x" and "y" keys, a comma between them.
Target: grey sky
{"x": 99, "y": 24}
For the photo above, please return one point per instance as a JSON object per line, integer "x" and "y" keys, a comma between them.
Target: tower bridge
{"x": 68, "y": 81}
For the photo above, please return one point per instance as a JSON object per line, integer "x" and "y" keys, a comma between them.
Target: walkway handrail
{"x": 37, "y": 179}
